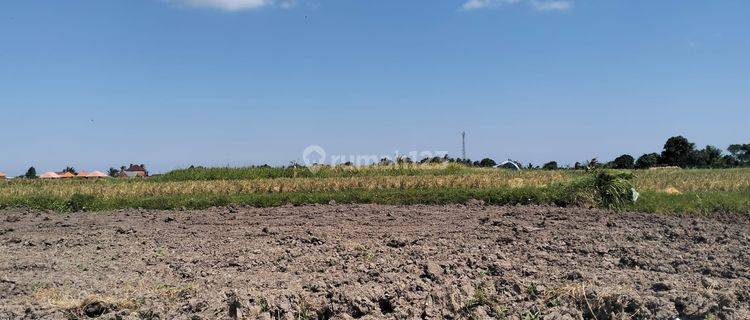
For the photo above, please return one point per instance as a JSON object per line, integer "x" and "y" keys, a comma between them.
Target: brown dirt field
{"x": 373, "y": 262}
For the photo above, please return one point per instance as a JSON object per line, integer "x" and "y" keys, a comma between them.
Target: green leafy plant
{"x": 603, "y": 189}
{"x": 614, "y": 189}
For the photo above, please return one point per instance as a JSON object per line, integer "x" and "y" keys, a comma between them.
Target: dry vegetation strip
{"x": 692, "y": 188}
{"x": 113, "y": 189}
{"x": 649, "y": 180}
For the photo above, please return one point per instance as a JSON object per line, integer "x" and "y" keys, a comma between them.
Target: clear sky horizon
{"x": 171, "y": 83}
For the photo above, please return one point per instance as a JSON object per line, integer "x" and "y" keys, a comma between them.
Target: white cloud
{"x": 479, "y": 4}
{"x": 288, "y": 4}
{"x": 551, "y": 5}
{"x": 228, "y": 5}
{"x": 541, "y": 5}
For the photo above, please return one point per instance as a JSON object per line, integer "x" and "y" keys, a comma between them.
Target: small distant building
{"x": 512, "y": 165}
{"x": 2, "y": 175}
{"x": 65, "y": 175}
{"x": 135, "y": 171}
{"x": 49, "y": 175}
{"x": 96, "y": 175}
{"x": 91, "y": 175}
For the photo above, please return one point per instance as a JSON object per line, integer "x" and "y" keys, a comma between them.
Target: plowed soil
{"x": 373, "y": 262}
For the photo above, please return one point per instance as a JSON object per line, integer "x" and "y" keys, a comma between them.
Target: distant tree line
{"x": 486, "y": 162}
{"x": 677, "y": 152}
{"x": 680, "y": 152}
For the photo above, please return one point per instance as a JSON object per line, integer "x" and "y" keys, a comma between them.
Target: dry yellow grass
{"x": 125, "y": 297}
{"x": 65, "y": 299}
{"x": 699, "y": 180}
{"x": 114, "y": 189}
{"x": 672, "y": 190}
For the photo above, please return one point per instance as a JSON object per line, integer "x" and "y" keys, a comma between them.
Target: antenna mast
{"x": 463, "y": 145}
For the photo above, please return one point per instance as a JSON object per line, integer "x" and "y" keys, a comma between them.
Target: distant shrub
{"x": 708, "y": 157}
{"x": 552, "y": 165}
{"x": 624, "y": 161}
{"x": 740, "y": 153}
{"x": 487, "y": 163}
{"x": 31, "y": 173}
{"x": 647, "y": 161}
{"x": 385, "y": 162}
{"x": 678, "y": 151}
{"x": 608, "y": 190}
{"x": 614, "y": 190}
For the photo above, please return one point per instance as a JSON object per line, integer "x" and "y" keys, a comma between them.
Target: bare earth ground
{"x": 373, "y": 262}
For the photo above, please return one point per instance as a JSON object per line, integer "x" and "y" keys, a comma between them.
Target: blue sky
{"x": 170, "y": 83}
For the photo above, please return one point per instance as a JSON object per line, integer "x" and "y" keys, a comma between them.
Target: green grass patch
{"x": 693, "y": 202}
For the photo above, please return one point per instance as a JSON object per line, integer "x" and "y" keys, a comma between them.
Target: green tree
{"x": 709, "y": 157}
{"x": 385, "y": 162}
{"x": 31, "y": 173}
{"x": 113, "y": 172}
{"x": 552, "y": 165}
{"x": 729, "y": 161}
{"x": 70, "y": 169}
{"x": 647, "y": 161}
{"x": 593, "y": 164}
{"x": 487, "y": 162}
{"x": 678, "y": 151}
{"x": 624, "y": 161}
{"x": 741, "y": 153}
